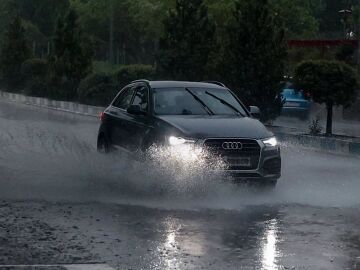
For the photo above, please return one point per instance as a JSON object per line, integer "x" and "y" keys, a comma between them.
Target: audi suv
{"x": 199, "y": 117}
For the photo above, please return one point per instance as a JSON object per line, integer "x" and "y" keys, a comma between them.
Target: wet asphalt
{"x": 62, "y": 203}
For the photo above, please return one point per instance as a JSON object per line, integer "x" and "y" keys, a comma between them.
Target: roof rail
{"x": 141, "y": 80}
{"x": 215, "y": 82}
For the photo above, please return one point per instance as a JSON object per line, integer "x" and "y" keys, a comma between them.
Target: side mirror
{"x": 255, "y": 112}
{"x": 135, "y": 110}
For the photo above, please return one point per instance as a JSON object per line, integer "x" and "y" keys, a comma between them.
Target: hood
{"x": 214, "y": 126}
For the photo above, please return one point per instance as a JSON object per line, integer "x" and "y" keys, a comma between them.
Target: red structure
{"x": 322, "y": 43}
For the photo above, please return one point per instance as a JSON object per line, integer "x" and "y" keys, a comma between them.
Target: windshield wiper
{"x": 210, "y": 112}
{"x": 225, "y": 103}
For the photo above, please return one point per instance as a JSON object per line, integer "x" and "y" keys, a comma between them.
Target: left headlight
{"x": 184, "y": 150}
{"x": 272, "y": 142}
{"x": 174, "y": 141}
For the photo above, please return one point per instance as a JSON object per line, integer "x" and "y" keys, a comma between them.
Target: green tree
{"x": 330, "y": 82}
{"x": 14, "y": 52}
{"x": 43, "y": 13}
{"x": 254, "y": 57}
{"x": 72, "y": 59}
{"x": 297, "y": 16}
{"x": 38, "y": 18}
{"x": 40, "y": 13}
{"x": 332, "y": 23}
{"x": 148, "y": 17}
{"x": 124, "y": 31}
{"x": 188, "y": 41}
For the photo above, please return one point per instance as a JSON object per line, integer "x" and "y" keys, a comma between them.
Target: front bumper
{"x": 268, "y": 170}
{"x": 293, "y": 111}
{"x": 268, "y": 167}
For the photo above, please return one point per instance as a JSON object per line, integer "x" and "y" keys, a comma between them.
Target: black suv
{"x": 206, "y": 115}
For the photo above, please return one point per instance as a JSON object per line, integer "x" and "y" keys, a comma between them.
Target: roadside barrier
{"x": 327, "y": 144}
{"x": 71, "y": 107}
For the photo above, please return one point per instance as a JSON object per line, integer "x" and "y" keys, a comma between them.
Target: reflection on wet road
{"x": 63, "y": 203}
{"x": 132, "y": 237}
{"x": 270, "y": 246}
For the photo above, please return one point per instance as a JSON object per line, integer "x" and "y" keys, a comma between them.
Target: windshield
{"x": 196, "y": 101}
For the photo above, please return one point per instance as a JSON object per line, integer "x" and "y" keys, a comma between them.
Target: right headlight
{"x": 271, "y": 142}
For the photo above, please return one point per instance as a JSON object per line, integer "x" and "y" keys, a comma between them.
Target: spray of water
{"x": 52, "y": 165}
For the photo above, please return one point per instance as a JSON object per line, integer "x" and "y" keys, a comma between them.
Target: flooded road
{"x": 63, "y": 203}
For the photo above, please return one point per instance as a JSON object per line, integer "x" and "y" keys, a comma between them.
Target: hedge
{"x": 97, "y": 89}
{"x": 34, "y": 73}
{"x": 34, "y": 68}
{"x": 129, "y": 73}
{"x": 100, "y": 88}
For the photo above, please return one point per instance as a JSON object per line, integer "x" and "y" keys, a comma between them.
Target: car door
{"x": 118, "y": 116}
{"x": 138, "y": 126}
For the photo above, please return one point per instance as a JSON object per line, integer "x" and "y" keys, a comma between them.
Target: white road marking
{"x": 66, "y": 266}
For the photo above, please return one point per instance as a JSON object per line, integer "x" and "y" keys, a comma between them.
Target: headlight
{"x": 271, "y": 142}
{"x": 174, "y": 141}
{"x": 183, "y": 150}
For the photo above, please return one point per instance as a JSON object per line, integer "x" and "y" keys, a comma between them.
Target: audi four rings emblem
{"x": 232, "y": 145}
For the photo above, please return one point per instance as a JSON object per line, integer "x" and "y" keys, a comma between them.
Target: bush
{"x": 36, "y": 87}
{"x": 315, "y": 127}
{"x": 101, "y": 88}
{"x": 34, "y": 73}
{"x": 97, "y": 89}
{"x": 34, "y": 67}
{"x": 129, "y": 73}
{"x": 105, "y": 67}
{"x": 14, "y": 51}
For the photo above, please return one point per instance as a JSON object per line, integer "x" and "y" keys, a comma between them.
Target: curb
{"x": 330, "y": 145}
{"x": 57, "y": 105}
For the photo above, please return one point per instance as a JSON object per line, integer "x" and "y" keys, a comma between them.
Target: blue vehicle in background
{"x": 296, "y": 103}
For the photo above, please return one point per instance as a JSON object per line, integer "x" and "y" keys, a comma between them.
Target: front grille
{"x": 250, "y": 149}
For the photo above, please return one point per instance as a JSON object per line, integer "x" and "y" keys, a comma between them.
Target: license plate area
{"x": 238, "y": 161}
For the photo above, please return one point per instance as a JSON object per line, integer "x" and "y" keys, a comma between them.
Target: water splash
{"x": 57, "y": 164}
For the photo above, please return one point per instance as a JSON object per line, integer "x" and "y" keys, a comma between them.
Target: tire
{"x": 103, "y": 144}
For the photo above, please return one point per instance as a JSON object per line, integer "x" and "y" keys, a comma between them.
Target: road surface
{"x": 63, "y": 204}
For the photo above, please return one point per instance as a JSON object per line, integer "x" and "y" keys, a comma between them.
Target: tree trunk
{"x": 329, "y": 108}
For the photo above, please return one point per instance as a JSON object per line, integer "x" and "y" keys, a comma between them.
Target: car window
{"x": 124, "y": 99}
{"x": 178, "y": 101}
{"x": 288, "y": 92}
{"x": 141, "y": 97}
{"x": 291, "y": 93}
{"x": 212, "y": 98}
